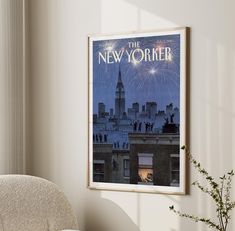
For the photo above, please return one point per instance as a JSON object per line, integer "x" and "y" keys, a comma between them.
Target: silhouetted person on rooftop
{"x": 151, "y": 127}
{"x": 166, "y": 120}
{"x": 100, "y": 137}
{"x": 135, "y": 126}
{"x": 105, "y": 138}
{"x": 140, "y": 125}
{"x": 172, "y": 116}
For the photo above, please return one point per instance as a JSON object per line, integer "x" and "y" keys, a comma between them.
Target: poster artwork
{"x": 135, "y": 111}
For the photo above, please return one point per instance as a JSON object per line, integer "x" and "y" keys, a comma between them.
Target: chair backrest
{"x": 30, "y": 203}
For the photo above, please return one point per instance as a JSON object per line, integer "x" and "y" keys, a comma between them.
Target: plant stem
{"x": 221, "y": 205}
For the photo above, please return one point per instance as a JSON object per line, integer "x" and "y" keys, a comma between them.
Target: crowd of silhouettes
{"x": 142, "y": 127}
{"x": 117, "y": 145}
{"x": 103, "y": 138}
{"x": 100, "y": 138}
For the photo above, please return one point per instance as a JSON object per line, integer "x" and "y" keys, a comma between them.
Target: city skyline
{"x": 107, "y": 110}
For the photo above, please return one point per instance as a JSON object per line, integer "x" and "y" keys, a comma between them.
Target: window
{"x": 145, "y": 170}
{"x": 126, "y": 168}
{"x": 98, "y": 169}
{"x": 175, "y": 170}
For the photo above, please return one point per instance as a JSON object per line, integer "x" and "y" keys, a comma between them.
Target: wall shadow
{"x": 210, "y": 96}
{"x": 210, "y": 114}
{"x": 104, "y": 215}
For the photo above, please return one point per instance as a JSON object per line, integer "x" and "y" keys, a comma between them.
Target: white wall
{"x": 58, "y": 33}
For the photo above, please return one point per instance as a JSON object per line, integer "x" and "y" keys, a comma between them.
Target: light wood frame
{"x": 182, "y": 90}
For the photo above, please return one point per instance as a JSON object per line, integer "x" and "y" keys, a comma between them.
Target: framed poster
{"x": 137, "y": 101}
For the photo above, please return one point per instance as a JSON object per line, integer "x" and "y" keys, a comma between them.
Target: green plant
{"x": 219, "y": 191}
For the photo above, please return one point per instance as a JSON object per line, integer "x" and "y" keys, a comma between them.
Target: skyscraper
{"x": 151, "y": 108}
{"x": 101, "y": 110}
{"x": 119, "y": 97}
{"x": 136, "y": 107}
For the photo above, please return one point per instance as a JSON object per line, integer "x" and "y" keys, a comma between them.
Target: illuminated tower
{"x": 119, "y": 97}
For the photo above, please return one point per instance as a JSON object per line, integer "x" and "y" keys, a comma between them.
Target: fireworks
{"x": 157, "y": 80}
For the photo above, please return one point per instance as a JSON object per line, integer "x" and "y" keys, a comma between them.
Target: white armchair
{"x": 30, "y": 203}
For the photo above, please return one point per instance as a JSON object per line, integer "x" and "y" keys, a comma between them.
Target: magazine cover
{"x": 137, "y": 111}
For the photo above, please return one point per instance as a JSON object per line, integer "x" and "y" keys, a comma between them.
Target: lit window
{"x": 145, "y": 170}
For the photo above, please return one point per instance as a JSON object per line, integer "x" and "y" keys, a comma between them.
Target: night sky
{"x": 157, "y": 81}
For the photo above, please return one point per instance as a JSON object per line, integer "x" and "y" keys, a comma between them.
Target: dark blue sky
{"x": 144, "y": 81}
